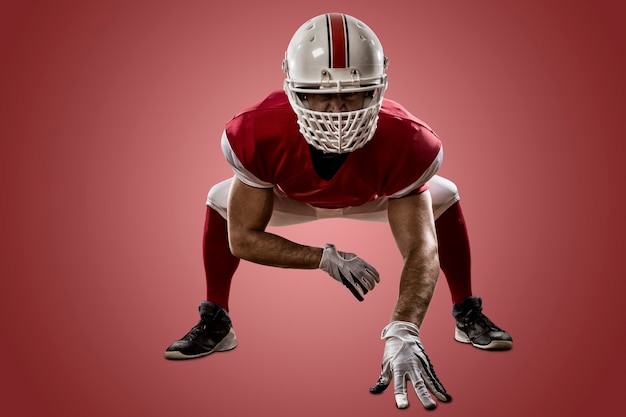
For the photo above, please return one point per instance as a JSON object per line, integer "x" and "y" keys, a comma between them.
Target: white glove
{"x": 404, "y": 358}
{"x": 350, "y": 270}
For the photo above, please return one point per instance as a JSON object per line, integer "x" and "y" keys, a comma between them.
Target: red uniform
{"x": 400, "y": 158}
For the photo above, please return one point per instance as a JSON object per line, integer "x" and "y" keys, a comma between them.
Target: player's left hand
{"x": 404, "y": 360}
{"x": 357, "y": 275}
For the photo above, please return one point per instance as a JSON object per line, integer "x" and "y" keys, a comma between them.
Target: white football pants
{"x": 444, "y": 194}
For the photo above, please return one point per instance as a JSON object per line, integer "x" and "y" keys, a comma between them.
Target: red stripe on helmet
{"x": 338, "y": 40}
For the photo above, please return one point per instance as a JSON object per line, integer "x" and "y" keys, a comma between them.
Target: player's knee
{"x": 444, "y": 194}
{"x": 443, "y": 191}
{"x": 217, "y": 198}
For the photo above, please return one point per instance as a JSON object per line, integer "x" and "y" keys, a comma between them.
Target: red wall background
{"x": 111, "y": 114}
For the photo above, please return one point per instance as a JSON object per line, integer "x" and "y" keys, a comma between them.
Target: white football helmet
{"x": 335, "y": 53}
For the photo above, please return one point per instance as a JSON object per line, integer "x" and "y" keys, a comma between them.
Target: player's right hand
{"x": 350, "y": 270}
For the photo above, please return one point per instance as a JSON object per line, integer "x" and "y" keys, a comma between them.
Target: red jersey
{"x": 403, "y": 154}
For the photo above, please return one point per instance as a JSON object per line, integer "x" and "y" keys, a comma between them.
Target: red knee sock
{"x": 454, "y": 252}
{"x": 219, "y": 264}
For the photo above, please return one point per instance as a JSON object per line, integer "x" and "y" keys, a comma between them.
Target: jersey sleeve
{"x": 240, "y": 171}
{"x": 421, "y": 184}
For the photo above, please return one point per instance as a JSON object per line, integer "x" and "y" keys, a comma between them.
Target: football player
{"x": 328, "y": 145}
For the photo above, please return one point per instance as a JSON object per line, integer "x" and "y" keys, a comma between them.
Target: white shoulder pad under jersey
{"x": 241, "y": 172}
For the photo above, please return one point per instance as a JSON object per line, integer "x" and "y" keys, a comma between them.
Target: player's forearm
{"x": 269, "y": 249}
{"x": 413, "y": 227}
{"x": 417, "y": 284}
{"x": 249, "y": 212}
